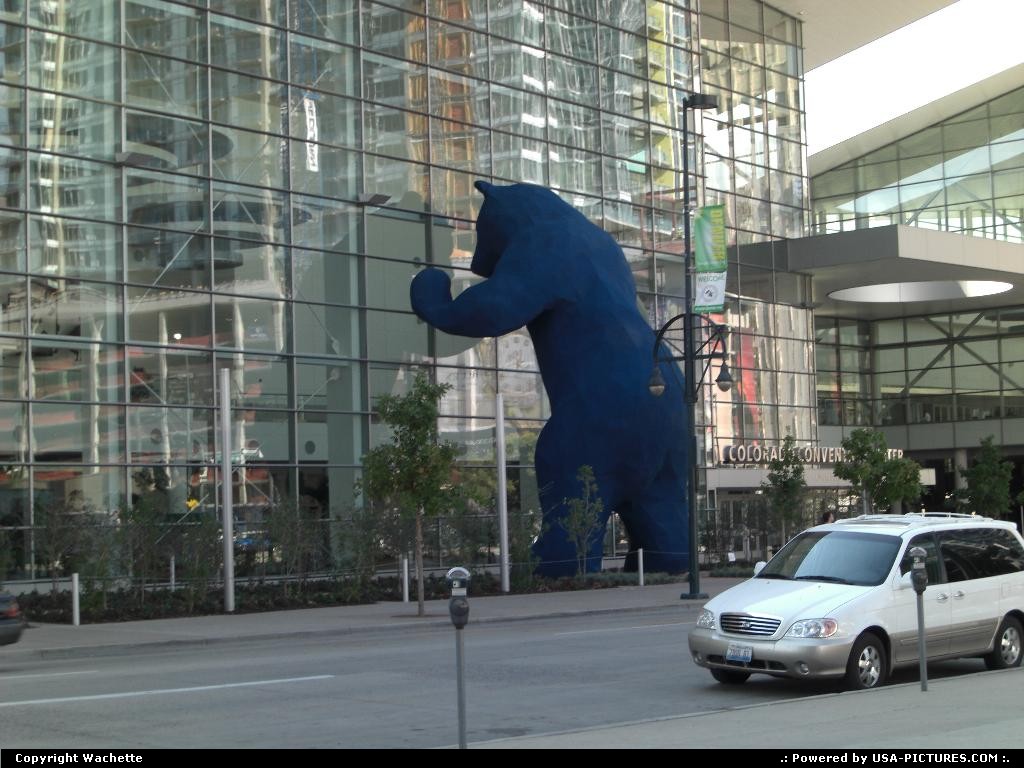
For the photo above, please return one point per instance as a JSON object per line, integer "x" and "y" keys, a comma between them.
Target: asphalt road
{"x": 378, "y": 690}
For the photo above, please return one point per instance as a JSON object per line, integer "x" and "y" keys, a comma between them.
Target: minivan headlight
{"x": 814, "y": 628}
{"x": 706, "y": 619}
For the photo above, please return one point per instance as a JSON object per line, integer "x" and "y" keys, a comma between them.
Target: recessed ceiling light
{"x": 930, "y": 290}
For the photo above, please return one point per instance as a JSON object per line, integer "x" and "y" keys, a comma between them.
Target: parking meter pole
{"x": 458, "y": 608}
{"x": 921, "y": 650}
{"x": 75, "y": 613}
{"x": 499, "y": 440}
{"x": 405, "y": 578}
{"x": 919, "y": 579}
{"x": 461, "y": 682}
{"x": 640, "y": 564}
{"x": 227, "y": 505}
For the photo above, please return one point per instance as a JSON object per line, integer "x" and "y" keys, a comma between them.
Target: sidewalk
{"x": 63, "y": 640}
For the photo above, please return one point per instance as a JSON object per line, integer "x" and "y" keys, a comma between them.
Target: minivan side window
{"x": 979, "y": 553}
{"x": 931, "y": 561}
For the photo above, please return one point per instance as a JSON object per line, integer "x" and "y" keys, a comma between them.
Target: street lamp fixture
{"x": 713, "y": 347}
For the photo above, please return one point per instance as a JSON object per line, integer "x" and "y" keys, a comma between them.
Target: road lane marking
{"x": 160, "y": 691}
{"x": 624, "y": 629}
{"x": 50, "y": 674}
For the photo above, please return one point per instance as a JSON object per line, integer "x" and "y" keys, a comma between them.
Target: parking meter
{"x": 458, "y": 606}
{"x": 918, "y": 573}
{"x": 919, "y": 580}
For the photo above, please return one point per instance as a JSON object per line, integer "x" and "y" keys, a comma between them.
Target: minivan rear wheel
{"x": 728, "y": 677}
{"x": 1007, "y": 651}
{"x": 867, "y": 667}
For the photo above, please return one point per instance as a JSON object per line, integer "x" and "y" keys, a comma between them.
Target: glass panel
{"x": 74, "y": 187}
{"x": 973, "y": 378}
{"x": 255, "y": 158}
{"x": 323, "y": 330}
{"x": 458, "y": 49}
{"x": 250, "y": 268}
{"x": 76, "y": 308}
{"x": 70, "y": 371}
{"x": 163, "y": 84}
{"x": 165, "y": 200}
{"x": 162, "y": 435}
{"x": 326, "y": 118}
{"x": 328, "y": 386}
{"x": 518, "y": 111}
{"x": 173, "y": 259}
{"x": 317, "y": 223}
{"x": 164, "y": 28}
{"x": 59, "y": 123}
{"x": 78, "y": 488}
{"x": 458, "y": 97}
{"x": 326, "y": 18}
{"x": 319, "y": 169}
{"x": 245, "y": 213}
{"x": 395, "y": 33}
{"x": 238, "y": 99}
{"x": 395, "y": 132}
{"x": 519, "y": 159}
{"x": 170, "y": 376}
{"x": 468, "y": 12}
{"x": 394, "y": 82}
{"x": 82, "y": 67}
{"x": 13, "y": 293}
{"x": 13, "y": 38}
{"x": 251, "y": 48}
{"x": 255, "y": 324}
{"x": 394, "y": 336}
{"x": 75, "y": 248}
{"x": 518, "y": 20}
{"x": 167, "y": 144}
{"x": 156, "y": 316}
{"x": 89, "y": 434}
{"x": 461, "y": 146}
{"x": 572, "y": 80}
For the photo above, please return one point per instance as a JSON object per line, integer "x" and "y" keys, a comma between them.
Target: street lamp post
{"x": 692, "y": 354}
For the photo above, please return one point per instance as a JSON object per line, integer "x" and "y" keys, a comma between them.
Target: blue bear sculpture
{"x": 568, "y": 282}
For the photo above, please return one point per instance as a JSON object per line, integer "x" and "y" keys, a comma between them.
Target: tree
{"x": 875, "y": 476}
{"x": 583, "y": 522}
{"x": 412, "y": 474}
{"x": 988, "y": 481}
{"x": 785, "y": 489}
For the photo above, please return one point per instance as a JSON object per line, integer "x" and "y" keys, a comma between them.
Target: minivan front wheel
{"x": 1008, "y": 648}
{"x": 867, "y": 666}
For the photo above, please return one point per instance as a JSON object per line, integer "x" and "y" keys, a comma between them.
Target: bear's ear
{"x": 484, "y": 187}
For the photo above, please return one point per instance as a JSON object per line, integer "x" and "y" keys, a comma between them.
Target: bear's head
{"x": 510, "y": 210}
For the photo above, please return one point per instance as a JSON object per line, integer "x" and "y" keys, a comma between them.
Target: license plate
{"x": 742, "y": 653}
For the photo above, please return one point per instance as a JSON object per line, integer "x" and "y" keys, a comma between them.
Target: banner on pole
{"x": 710, "y": 293}
{"x": 709, "y": 240}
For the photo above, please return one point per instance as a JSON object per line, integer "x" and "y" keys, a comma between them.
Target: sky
{"x": 940, "y": 54}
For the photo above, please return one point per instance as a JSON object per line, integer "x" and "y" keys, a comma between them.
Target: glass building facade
{"x": 189, "y": 186}
{"x": 964, "y": 370}
{"x": 965, "y": 175}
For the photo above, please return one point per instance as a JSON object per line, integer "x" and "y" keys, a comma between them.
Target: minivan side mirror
{"x": 759, "y": 566}
{"x": 905, "y": 581}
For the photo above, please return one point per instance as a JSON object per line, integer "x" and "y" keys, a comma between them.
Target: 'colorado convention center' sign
{"x": 760, "y": 454}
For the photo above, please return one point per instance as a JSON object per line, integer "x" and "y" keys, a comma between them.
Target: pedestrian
{"x": 827, "y": 517}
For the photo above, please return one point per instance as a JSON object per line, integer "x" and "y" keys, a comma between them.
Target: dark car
{"x": 12, "y": 620}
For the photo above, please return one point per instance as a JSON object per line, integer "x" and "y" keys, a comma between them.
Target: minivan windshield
{"x": 838, "y": 557}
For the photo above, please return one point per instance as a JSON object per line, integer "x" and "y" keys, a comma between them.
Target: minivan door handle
{"x": 959, "y": 595}
{"x": 943, "y": 597}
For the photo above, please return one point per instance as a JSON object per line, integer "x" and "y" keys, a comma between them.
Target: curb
{"x": 158, "y": 646}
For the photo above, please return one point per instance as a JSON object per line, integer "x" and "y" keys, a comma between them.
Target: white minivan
{"x": 837, "y": 601}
